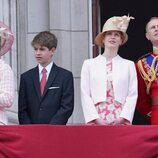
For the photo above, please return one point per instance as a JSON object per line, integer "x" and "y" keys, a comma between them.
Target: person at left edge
{"x": 6, "y": 73}
{"x": 56, "y": 104}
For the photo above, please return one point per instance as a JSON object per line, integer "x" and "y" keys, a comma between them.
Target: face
{"x": 43, "y": 55}
{"x": 3, "y": 38}
{"x": 152, "y": 32}
{"x": 113, "y": 39}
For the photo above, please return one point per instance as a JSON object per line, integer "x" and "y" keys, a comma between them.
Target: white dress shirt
{"x": 48, "y": 68}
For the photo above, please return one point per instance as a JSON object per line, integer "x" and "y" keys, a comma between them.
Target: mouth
{"x": 112, "y": 42}
{"x": 38, "y": 58}
{"x": 156, "y": 33}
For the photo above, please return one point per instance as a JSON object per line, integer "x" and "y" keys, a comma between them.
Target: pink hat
{"x": 6, "y": 38}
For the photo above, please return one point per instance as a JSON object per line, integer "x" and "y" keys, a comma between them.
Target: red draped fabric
{"x": 47, "y": 141}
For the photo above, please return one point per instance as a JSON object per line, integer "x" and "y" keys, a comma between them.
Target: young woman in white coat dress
{"x": 109, "y": 82}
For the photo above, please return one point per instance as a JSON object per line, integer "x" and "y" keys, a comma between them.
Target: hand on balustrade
{"x": 97, "y": 122}
{"x": 120, "y": 121}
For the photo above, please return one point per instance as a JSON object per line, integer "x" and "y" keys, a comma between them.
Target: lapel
{"x": 51, "y": 78}
{"x": 98, "y": 69}
{"x": 36, "y": 81}
{"x": 118, "y": 67}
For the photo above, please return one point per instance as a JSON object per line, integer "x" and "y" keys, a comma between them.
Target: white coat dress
{"x": 94, "y": 86}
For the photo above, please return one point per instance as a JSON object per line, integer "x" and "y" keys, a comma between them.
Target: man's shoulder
{"x": 63, "y": 70}
{"x": 28, "y": 71}
{"x": 143, "y": 56}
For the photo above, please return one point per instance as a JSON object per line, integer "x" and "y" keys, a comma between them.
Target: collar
{"x": 115, "y": 57}
{"x": 48, "y": 67}
{"x": 155, "y": 50}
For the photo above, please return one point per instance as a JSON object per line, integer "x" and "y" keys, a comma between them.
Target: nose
{"x": 113, "y": 35}
{"x": 37, "y": 51}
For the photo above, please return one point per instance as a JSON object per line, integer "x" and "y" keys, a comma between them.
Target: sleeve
{"x": 67, "y": 102}
{"x": 89, "y": 110}
{"x": 22, "y": 104}
{"x": 6, "y": 86}
{"x": 131, "y": 99}
{"x": 143, "y": 103}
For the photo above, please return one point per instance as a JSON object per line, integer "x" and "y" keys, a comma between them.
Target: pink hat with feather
{"x": 6, "y": 38}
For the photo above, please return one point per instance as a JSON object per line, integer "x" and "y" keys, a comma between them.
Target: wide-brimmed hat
{"x": 6, "y": 38}
{"x": 116, "y": 23}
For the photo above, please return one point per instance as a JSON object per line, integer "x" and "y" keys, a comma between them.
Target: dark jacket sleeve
{"x": 22, "y": 104}
{"x": 67, "y": 101}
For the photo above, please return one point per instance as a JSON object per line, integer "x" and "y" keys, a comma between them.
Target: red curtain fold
{"x": 48, "y": 141}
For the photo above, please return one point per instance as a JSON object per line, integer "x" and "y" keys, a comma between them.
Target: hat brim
{"x": 99, "y": 38}
{"x": 8, "y": 42}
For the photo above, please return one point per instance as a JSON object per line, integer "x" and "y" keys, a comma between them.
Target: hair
{"x": 152, "y": 18}
{"x": 120, "y": 32}
{"x": 122, "y": 36}
{"x": 46, "y": 39}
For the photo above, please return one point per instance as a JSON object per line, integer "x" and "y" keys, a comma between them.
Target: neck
{"x": 109, "y": 54}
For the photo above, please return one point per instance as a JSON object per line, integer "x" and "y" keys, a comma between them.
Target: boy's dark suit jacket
{"x": 57, "y": 103}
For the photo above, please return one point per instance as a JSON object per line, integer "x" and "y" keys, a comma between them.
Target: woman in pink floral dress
{"x": 109, "y": 82}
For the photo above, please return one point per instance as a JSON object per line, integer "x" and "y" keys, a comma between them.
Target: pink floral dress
{"x": 111, "y": 109}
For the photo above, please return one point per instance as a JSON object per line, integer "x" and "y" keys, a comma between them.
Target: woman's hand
{"x": 97, "y": 122}
{"x": 121, "y": 121}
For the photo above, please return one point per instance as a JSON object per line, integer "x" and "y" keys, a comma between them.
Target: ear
{"x": 147, "y": 36}
{"x": 53, "y": 51}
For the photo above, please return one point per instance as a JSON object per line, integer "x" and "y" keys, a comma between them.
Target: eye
{"x": 117, "y": 34}
{"x": 152, "y": 27}
{"x": 42, "y": 49}
{"x": 109, "y": 33}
